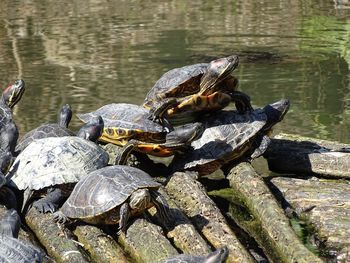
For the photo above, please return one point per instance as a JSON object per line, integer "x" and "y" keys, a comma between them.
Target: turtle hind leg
{"x": 124, "y": 215}
{"x": 50, "y": 202}
{"x": 10, "y": 223}
{"x": 162, "y": 206}
{"x": 259, "y": 151}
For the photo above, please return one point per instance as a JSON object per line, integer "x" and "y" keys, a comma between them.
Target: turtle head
{"x": 275, "y": 112}
{"x": 92, "y": 130}
{"x": 140, "y": 200}
{"x": 65, "y": 116}
{"x": 218, "y": 256}
{"x": 218, "y": 70}
{"x": 13, "y": 93}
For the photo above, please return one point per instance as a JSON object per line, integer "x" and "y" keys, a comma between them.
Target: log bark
{"x": 183, "y": 234}
{"x": 145, "y": 242}
{"x": 323, "y": 203}
{"x": 52, "y": 237}
{"x": 193, "y": 200}
{"x": 297, "y": 154}
{"x": 271, "y": 228}
{"x": 100, "y": 246}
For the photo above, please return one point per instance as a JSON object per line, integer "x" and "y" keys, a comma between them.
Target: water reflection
{"x": 92, "y": 52}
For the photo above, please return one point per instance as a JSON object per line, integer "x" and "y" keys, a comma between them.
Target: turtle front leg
{"x": 50, "y": 202}
{"x": 242, "y": 101}
{"x": 124, "y": 215}
{"x": 162, "y": 206}
{"x": 158, "y": 111}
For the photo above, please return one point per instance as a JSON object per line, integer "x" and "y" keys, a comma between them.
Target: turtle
{"x": 228, "y": 136}
{"x": 49, "y": 129}
{"x": 53, "y": 165}
{"x": 13, "y": 249}
{"x": 128, "y": 124}
{"x": 8, "y": 129}
{"x": 110, "y": 195}
{"x": 181, "y": 94}
{"x": 218, "y": 256}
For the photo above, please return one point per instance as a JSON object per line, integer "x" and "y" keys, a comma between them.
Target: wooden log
{"x": 145, "y": 242}
{"x": 100, "y": 246}
{"x": 192, "y": 199}
{"x": 182, "y": 234}
{"x": 271, "y": 228}
{"x": 323, "y": 203}
{"x": 297, "y": 154}
{"x": 52, "y": 237}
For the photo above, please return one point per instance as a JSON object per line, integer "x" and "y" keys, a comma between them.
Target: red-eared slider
{"x": 59, "y": 129}
{"x": 229, "y": 136}
{"x": 13, "y": 249}
{"x": 8, "y": 129}
{"x": 128, "y": 124}
{"x": 183, "y": 93}
{"x": 218, "y": 256}
{"x": 111, "y": 194}
{"x": 53, "y": 164}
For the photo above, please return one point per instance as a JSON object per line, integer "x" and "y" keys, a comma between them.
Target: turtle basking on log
{"x": 181, "y": 94}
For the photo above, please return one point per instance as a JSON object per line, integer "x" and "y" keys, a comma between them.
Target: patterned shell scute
{"x": 104, "y": 189}
{"x": 57, "y": 160}
{"x": 225, "y": 133}
{"x": 16, "y": 250}
{"x": 43, "y": 131}
{"x": 124, "y": 115}
{"x": 174, "y": 78}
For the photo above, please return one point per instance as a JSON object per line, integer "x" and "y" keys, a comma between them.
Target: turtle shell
{"x": 105, "y": 189}
{"x": 177, "y": 82}
{"x": 227, "y": 136}
{"x": 43, "y": 131}
{"x": 56, "y": 160}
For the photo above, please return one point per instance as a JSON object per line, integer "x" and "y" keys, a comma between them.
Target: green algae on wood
{"x": 192, "y": 199}
{"x": 272, "y": 229}
{"x": 326, "y": 205}
{"x": 182, "y": 233}
{"x": 53, "y": 238}
{"x": 297, "y": 154}
{"x": 145, "y": 242}
{"x": 100, "y": 246}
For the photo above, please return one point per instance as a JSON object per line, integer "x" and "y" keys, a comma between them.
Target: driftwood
{"x": 52, "y": 237}
{"x": 193, "y": 200}
{"x": 324, "y": 203}
{"x": 183, "y": 234}
{"x": 100, "y": 246}
{"x": 270, "y": 227}
{"x": 296, "y": 154}
{"x": 145, "y": 242}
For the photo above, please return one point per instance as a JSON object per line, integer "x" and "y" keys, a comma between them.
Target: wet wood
{"x": 145, "y": 242}
{"x": 55, "y": 239}
{"x": 100, "y": 246}
{"x": 182, "y": 233}
{"x": 192, "y": 199}
{"x": 297, "y": 154}
{"x": 324, "y": 203}
{"x": 271, "y": 227}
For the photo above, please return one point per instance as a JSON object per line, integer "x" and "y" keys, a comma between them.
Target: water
{"x": 93, "y": 52}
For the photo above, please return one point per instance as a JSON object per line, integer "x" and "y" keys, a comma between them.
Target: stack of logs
{"x": 263, "y": 207}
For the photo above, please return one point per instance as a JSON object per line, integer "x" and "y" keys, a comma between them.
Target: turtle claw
{"x": 60, "y": 218}
{"x": 44, "y": 206}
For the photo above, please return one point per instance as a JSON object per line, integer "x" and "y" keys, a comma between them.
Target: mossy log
{"x": 297, "y": 154}
{"x": 53, "y": 238}
{"x": 100, "y": 246}
{"x": 323, "y": 203}
{"x": 183, "y": 234}
{"x": 193, "y": 200}
{"x": 145, "y": 242}
{"x": 272, "y": 229}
